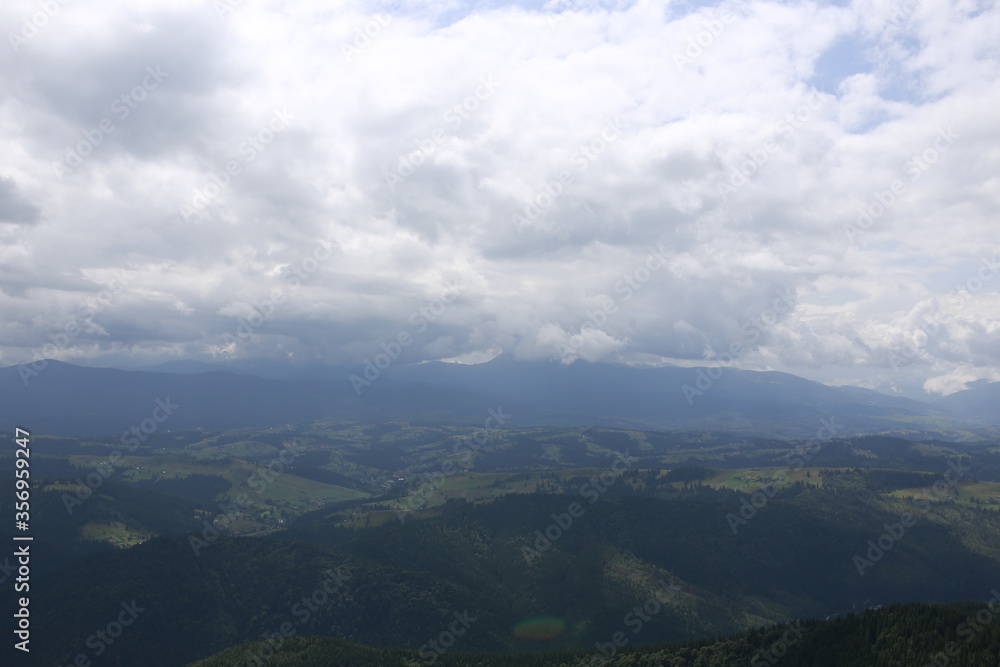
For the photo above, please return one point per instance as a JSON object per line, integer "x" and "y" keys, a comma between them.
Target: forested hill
{"x": 912, "y": 635}
{"x": 403, "y": 585}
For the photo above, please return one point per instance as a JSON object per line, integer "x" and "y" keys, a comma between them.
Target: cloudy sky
{"x": 807, "y": 187}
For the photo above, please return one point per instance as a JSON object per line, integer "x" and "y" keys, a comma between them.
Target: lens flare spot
{"x": 539, "y": 629}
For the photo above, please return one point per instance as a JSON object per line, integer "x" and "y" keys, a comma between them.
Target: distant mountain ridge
{"x": 981, "y": 402}
{"x": 64, "y": 399}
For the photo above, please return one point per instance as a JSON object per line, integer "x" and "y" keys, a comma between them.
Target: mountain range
{"x": 64, "y": 399}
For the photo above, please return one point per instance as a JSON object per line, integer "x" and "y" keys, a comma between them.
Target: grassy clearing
{"x": 115, "y": 532}
{"x": 966, "y": 492}
{"x": 749, "y": 480}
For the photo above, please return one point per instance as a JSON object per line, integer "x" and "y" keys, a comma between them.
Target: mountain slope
{"x": 980, "y": 402}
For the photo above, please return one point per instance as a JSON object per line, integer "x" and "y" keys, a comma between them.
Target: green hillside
{"x": 404, "y": 584}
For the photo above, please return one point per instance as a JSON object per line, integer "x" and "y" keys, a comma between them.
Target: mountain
{"x": 63, "y": 399}
{"x": 673, "y": 397}
{"x": 980, "y": 402}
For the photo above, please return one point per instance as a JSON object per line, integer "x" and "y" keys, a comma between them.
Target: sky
{"x": 805, "y": 187}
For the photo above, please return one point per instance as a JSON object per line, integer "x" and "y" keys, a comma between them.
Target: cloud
{"x": 14, "y": 208}
{"x": 532, "y": 156}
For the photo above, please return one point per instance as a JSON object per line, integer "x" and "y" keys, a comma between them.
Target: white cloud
{"x": 770, "y": 106}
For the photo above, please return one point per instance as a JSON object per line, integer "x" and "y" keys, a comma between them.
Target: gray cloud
{"x": 14, "y": 207}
